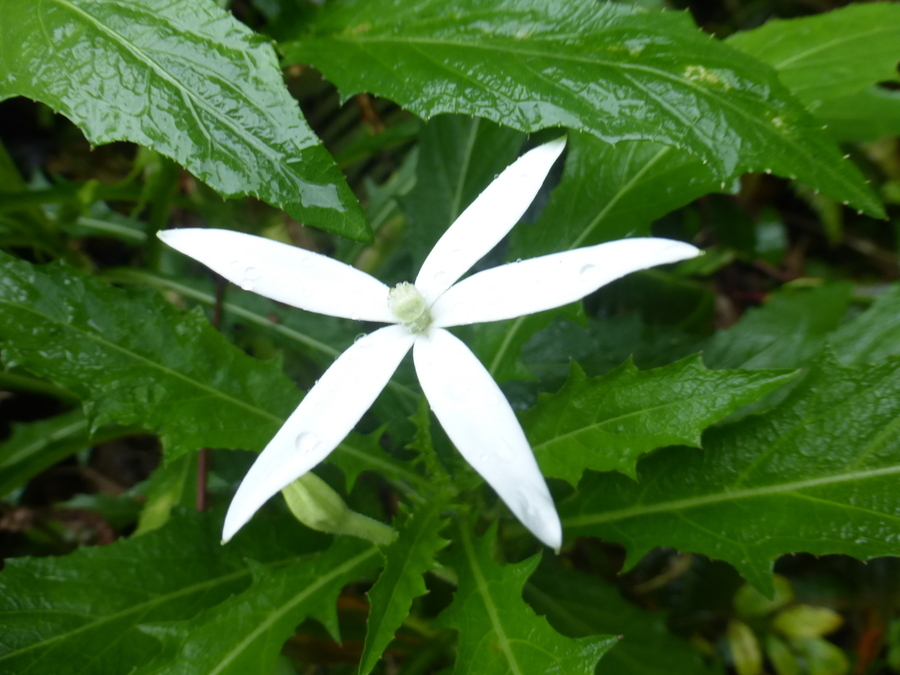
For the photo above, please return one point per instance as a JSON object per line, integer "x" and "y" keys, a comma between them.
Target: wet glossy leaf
{"x": 817, "y": 474}
{"x": 579, "y": 604}
{"x": 245, "y": 633}
{"x": 406, "y": 560}
{"x": 832, "y": 54}
{"x": 609, "y": 69}
{"x": 187, "y": 80}
{"x": 134, "y": 359}
{"x": 498, "y": 632}
{"x": 606, "y": 423}
{"x": 81, "y": 613}
{"x": 786, "y": 332}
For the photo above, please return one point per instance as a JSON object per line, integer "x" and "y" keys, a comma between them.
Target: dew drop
{"x": 588, "y": 272}
{"x": 246, "y": 284}
{"x": 307, "y": 442}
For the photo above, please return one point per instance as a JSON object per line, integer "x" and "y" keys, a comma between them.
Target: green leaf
{"x": 358, "y": 453}
{"x": 787, "y": 332}
{"x": 832, "y": 54}
{"x": 244, "y": 634}
{"x": 872, "y": 336}
{"x": 407, "y": 559}
{"x": 187, "y": 80}
{"x": 610, "y": 192}
{"x": 602, "y": 345}
{"x": 171, "y": 485}
{"x": 37, "y": 446}
{"x": 134, "y": 359}
{"x": 606, "y": 423}
{"x": 865, "y": 116}
{"x": 579, "y": 604}
{"x": 500, "y": 634}
{"x": 606, "y": 192}
{"x": 612, "y": 70}
{"x": 458, "y": 158}
{"x": 80, "y": 613}
{"x": 818, "y": 474}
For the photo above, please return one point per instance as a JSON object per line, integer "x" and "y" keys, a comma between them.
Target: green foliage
{"x": 498, "y": 632}
{"x": 579, "y": 604}
{"x": 180, "y": 379}
{"x": 504, "y": 61}
{"x": 87, "y": 610}
{"x": 187, "y": 80}
{"x": 608, "y": 422}
{"x": 245, "y": 632}
{"x": 707, "y": 417}
{"x": 406, "y": 560}
{"x": 830, "y": 55}
{"x": 817, "y": 474}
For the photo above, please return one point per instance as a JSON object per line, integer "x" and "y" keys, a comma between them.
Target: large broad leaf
{"x": 606, "y": 423}
{"x": 830, "y": 55}
{"x": 406, "y": 560}
{"x": 183, "y": 78}
{"x": 498, "y": 633}
{"x": 458, "y": 159}
{"x": 818, "y": 474}
{"x": 79, "y": 614}
{"x": 579, "y": 604}
{"x": 134, "y": 359}
{"x": 786, "y": 332}
{"x": 245, "y": 633}
{"x": 609, "y": 69}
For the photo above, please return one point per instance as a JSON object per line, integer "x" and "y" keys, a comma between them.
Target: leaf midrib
{"x": 703, "y": 91}
{"x": 290, "y": 604}
{"x": 148, "y": 605}
{"x": 735, "y": 495}
{"x": 215, "y": 393}
{"x": 488, "y": 601}
{"x": 642, "y": 411}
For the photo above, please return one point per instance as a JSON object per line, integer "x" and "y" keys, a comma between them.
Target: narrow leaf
{"x": 498, "y": 633}
{"x": 134, "y": 359}
{"x": 245, "y": 633}
{"x": 407, "y": 559}
{"x": 818, "y": 474}
{"x": 185, "y": 79}
{"x": 617, "y": 72}
{"x": 606, "y": 423}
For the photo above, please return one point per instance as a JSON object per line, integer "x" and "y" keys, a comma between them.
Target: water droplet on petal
{"x": 588, "y": 272}
{"x": 307, "y": 442}
{"x": 246, "y": 284}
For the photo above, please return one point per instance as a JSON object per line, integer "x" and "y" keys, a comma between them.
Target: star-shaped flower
{"x": 463, "y": 395}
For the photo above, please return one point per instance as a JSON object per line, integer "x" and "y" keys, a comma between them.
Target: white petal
{"x": 479, "y": 421}
{"x": 285, "y": 273}
{"x": 551, "y": 281}
{"x": 328, "y": 413}
{"x": 487, "y": 220}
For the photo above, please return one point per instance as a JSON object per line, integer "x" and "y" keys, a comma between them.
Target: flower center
{"x": 408, "y": 306}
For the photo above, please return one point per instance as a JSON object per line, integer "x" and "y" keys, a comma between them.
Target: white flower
{"x": 462, "y": 394}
